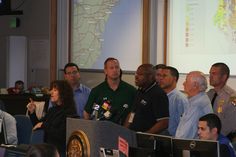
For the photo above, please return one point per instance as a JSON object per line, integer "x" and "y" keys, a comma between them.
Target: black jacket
{"x": 54, "y": 125}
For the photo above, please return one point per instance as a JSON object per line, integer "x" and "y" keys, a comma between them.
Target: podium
{"x": 94, "y": 135}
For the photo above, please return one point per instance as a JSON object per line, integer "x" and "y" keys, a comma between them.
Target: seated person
{"x": 11, "y": 130}
{"x": 158, "y": 71}
{"x": 18, "y": 89}
{"x": 54, "y": 122}
{"x": 209, "y": 128}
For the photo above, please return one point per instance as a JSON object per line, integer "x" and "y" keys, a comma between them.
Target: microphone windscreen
{"x": 107, "y": 114}
{"x": 125, "y": 106}
{"x": 106, "y": 106}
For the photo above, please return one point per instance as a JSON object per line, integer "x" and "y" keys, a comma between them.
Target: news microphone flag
{"x": 106, "y": 106}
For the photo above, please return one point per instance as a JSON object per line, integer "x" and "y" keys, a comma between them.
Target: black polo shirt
{"x": 150, "y": 105}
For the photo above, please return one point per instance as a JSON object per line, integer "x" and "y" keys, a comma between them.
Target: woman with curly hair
{"x": 54, "y": 122}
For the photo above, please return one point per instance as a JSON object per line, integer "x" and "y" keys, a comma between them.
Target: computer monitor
{"x": 5, "y": 5}
{"x": 195, "y": 148}
{"x": 5, "y": 8}
{"x": 154, "y": 145}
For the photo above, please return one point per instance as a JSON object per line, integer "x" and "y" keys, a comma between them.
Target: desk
{"x": 14, "y": 151}
{"x": 16, "y": 103}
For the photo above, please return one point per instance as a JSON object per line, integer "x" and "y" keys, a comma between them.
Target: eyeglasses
{"x": 72, "y": 73}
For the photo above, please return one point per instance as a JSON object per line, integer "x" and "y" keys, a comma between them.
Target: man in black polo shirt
{"x": 150, "y": 111}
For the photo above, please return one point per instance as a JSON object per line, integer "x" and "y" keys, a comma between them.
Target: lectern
{"x": 87, "y": 137}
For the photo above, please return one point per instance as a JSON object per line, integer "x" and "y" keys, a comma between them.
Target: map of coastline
{"x": 225, "y": 19}
{"x": 106, "y": 28}
{"x": 88, "y": 26}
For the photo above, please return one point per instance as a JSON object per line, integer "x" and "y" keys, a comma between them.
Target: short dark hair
{"x": 39, "y": 150}
{"x": 224, "y": 69}
{"x": 110, "y": 59}
{"x": 148, "y": 70}
{"x": 159, "y": 66}
{"x": 173, "y": 71}
{"x": 70, "y": 65}
{"x": 213, "y": 121}
{"x": 19, "y": 82}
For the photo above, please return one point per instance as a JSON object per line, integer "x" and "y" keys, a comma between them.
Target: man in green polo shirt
{"x": 112, "y": 99}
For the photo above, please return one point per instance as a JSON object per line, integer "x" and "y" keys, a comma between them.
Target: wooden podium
{"x": 86, "y": 137}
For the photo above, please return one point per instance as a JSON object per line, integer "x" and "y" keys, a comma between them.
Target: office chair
{"x": 24, "y": 129}
{"x": 37, "y": 137}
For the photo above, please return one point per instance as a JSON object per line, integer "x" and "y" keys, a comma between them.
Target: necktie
{"x": 213, "y": 99}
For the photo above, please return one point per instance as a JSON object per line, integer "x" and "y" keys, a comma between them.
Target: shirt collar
{"x": 119, "y": 85}
{"x": 171, "y": 92}
{"x": 144, "y": 90}
{"x": 78, "y": 88}
{"x": 196, "y": 96}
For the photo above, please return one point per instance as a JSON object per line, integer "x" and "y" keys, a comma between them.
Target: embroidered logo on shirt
{"x": 143, "y": 102}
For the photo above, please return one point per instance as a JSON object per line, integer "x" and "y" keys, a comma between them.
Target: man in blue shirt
{"x": 158, "y": 71}
{"x": 209, "y": 128}
{"x": 195, "y": 86}
{"x": 178, "y": 102}
{"x": 81, "y": 92}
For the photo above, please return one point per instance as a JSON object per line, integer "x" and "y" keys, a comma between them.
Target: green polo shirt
{"x": 124, "y": 94}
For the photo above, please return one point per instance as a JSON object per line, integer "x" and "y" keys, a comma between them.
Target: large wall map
{"x": 225, "y": 19}
{"x": 201, "y": 33}
{"x": 106, "y": 28}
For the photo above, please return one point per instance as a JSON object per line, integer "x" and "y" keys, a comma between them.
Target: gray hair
{"x": 200, "y": 79}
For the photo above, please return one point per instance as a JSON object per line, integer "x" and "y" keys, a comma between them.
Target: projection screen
{"x": 200, "y": 33}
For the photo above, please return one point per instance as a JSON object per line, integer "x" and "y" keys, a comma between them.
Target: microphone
{"x": 94, "y": 114}
{"x": 105, "y": 113}
{"x": 106, "y": 105}
{"x": 118, "y": 117}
